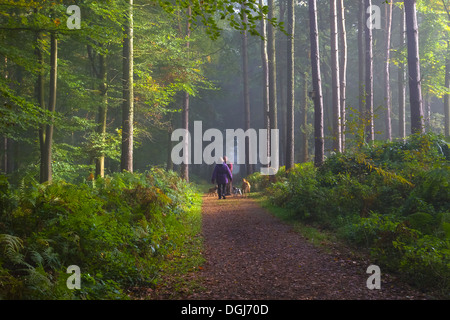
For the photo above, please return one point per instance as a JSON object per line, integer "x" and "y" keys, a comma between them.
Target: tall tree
{"x": 184, "y": 168}
{"x": 336, "y": 91}
{"x": 447, "y": 78}
{"x": 47, "y": 133}
{"x": 281, "y": 67}
{"x": 128, "y": 93}
{"x": 361, "y": 55}
{"x": 401, "y": 80}
{"x": 304, "y": 127}
{"x": 271, "y": 54}
{"x": 387, "y": 79}
{"x": 265, "y": 82}
{"x": 343, "y": 67}
{"x": 415, "y": 87}
{"x": 40, "y": 96}
{"x": 370, "y": 134}
{"x": 317, "y": 85}
{"x": 102, "y": 113}
{"x": 447, "y": 96}
{"x": 290, "y": 85}
{"x": 248, "y": 165}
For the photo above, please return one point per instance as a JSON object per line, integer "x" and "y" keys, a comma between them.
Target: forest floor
{"x": 251, "y": 255}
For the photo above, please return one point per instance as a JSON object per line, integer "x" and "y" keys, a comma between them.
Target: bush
{"x": 391, "y": 198}
{"x": 118, "y": 230}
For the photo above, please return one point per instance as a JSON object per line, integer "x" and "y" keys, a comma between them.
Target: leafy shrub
{"x": 426, "y": 262}
{"x": 117, "y": 229}
{"x": 421, "y": 221}
{"x": 392, "y": 198}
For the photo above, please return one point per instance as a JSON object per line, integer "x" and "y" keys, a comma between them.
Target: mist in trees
{"x": 81, "y": 103}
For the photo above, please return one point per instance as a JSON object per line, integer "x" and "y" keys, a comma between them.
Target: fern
{"x": 361, "y": 159}
{"x": 51, "y": 258}
{"x": 12, "y": 246}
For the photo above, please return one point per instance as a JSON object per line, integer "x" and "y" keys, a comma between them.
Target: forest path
{"x": 252, "y": 255}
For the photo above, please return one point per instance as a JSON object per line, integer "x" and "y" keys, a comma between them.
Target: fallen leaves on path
{"x": 250, "y": 255}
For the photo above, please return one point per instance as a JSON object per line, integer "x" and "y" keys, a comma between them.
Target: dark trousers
{"x": 229, "y": 188}
{"x": 221, "y": 190}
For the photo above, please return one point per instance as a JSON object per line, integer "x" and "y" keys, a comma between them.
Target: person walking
{"x": 221, "y": 175}
{"x": 230, "y": 183}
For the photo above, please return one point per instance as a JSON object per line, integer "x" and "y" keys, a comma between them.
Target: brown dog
{"x": 212, "y": 192}
{"x": 245, "y": 187}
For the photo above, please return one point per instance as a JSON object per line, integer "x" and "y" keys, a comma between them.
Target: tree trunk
{"x": 184, "y": 167}
{"x": 265, "y": 68}
{"x": 447, "y": 96}
{"x": 368, "y": 119}
{"x": 336, "y": 89}
{"x": 102, "y": 113}
{"x": 5, "y": 139}
{"x": 401, "y": 81}
{"x": 317, "y": 85}
{"x": 415, "y": 88}
{"x": 281, "y": 52}
{"x": 271, "y": 53}
{"x": 361, "y": 55}
{"x": 290, "y": 86}
{"x": 343, "y": 68}
{"x": 248, "y": 165}
{"x": 40, "y": 97}
{"x": 387, "y": 78}
{"x": 46, "y": 157}
{"x": 305, "y": 133}
{"x": 128, "y": 94}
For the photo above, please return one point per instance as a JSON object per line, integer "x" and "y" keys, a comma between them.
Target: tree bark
{"x": 271, "y": 53}
{"x": 336, "y": 89}
{"x": 290, "y": 86}
{"x": 305, "y": 133}
{"x": 415, "y": 87}
{"x": 46, "y": 157}
{"x": 368, "y": 119}
{"x": 184, "y": 167}
{"x": 447, "y": 96}
{"x": 317, "y": 85}
{"x": 40, "y": 96}
{"x": 5, "y": 139}
{"x": 361, "y": 55}
{"x": 102, "y": 114}
{"x": 401, "y": 81}
{"x": 265, "y": 68}
{"x": 128, "y": 94}
{"x": 387, "y": 78}
{"x": 281, "y": 65}
{"x": 343, "y": 68}
{"x": 248, "y": 165}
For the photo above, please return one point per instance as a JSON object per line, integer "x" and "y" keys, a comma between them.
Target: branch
{"x": 446, "y": 9}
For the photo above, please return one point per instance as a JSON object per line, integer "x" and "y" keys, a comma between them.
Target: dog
{"x": 212, "y": 192}
{"x": 245, "y": 187}
{"x": 237, "y": 192}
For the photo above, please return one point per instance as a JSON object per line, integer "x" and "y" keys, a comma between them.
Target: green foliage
{"x": 118, "y": 230}
{"x": 392, "y": 198}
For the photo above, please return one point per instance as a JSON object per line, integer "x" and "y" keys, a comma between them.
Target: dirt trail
{"x": 252, "y": 255}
